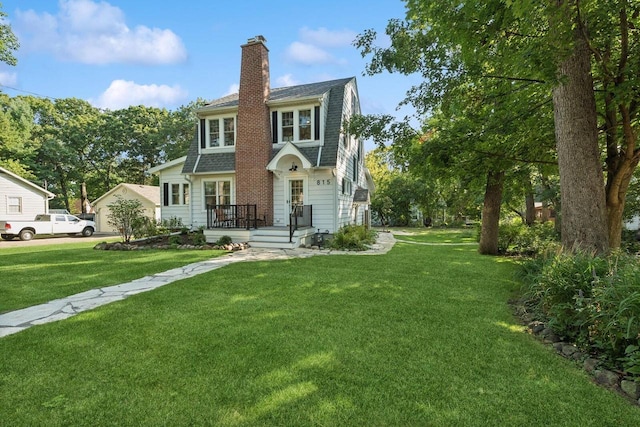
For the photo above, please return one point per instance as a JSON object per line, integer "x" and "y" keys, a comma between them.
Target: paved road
{"x": 55, "y": 240}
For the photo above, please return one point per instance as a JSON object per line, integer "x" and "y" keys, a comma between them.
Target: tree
{"x": 125, "y": 215}
{"x": 16, "y": 146}
{"x": 555, "y": 45}
{"x": 8, "y": 41}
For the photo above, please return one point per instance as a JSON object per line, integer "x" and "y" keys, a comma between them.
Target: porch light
{"x": 293, "y": 167}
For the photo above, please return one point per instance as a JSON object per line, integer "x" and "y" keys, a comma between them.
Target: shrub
{"x": 125, "y": 215}
{"x": 224, "y": 241}
{"x": 630, "y": 243}
{"x": 146, "y": 227}
{"x": 198, "y": 238}
{"x": 353, "y": 238}
{"x": 593, "y": 301}
{"x": 516, "y": 238}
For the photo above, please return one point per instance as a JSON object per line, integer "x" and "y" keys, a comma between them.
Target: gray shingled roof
{"x": 285, "y": 93}
{"x": 225, "y": 162}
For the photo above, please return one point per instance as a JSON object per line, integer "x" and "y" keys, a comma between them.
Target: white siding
{"x": 322, "y": 196}
{"x": 32, "y": 201}
{"x": 279, "y": 214}
{"x": 173, "y": 175}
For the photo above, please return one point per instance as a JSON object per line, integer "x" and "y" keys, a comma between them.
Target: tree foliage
{"x": 125, "y": 215}
{"x": 489, "y": 69}
{"x": 8, "y": 41}
{"x": 63, "y": 143}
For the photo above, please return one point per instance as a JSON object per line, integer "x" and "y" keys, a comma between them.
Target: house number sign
{"x": 323, "y": 182}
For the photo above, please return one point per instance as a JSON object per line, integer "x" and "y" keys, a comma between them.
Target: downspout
{"x": 190, "y": 207}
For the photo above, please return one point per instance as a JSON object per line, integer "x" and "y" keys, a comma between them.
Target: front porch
{"x": 265, "y": 237}
{"x": 242, "y": 224}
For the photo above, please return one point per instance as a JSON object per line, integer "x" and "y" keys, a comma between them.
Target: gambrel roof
{"x": 334, "y": 91}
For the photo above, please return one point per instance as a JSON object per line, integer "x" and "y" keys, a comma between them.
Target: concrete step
{"x": 273, "y": 245}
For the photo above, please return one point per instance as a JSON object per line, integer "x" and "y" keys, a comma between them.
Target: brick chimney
{"x": 254, "y": 183}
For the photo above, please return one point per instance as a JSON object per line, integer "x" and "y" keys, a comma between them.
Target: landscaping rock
{"x": 591, "y": 364}
{"x": 606, "y": 378}
{"x": 568, "y": 349}
{"x": 536, "y": 327}
{"x": 548, "y": 336}
{"x": 631, "y": 389}
{"x": 557, "y": 346}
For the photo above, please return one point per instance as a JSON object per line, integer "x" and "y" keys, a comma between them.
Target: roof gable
{"x": 28, "y": 184}
{"x": 148, "y": 192}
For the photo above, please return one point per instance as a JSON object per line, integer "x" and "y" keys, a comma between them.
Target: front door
{"x": 295, "y": 197}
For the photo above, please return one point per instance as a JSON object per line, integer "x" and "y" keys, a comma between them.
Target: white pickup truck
{"x": 46, "y": 224}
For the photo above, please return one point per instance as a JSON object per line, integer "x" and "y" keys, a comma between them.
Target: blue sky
{"x": 116, "y": 53}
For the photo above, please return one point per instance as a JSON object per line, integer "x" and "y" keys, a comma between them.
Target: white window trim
{"x": 19, "y": 200}
{"x": 181, "y": 201}
{"x": 232, "y": 188}
{"x": 220, "y": 120}
{"x": 296, "y": 123}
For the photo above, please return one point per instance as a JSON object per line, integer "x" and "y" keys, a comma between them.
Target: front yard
{"x": 35, "y": 275}
{"x": 420, "y": 336}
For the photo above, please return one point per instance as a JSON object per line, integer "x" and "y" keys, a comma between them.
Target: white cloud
{"x": 8, "y": 79}
{"x": 122, "y": 94}
{"x": 93, "y": 32}
{"x": 308, "y": 54}
{"x": 234, "y": 88}
{"x": 327, "y": 38}
{"x": 286, "y": 80}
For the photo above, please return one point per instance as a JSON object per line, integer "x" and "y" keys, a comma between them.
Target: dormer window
{"x": 299, "y": 125}
{"x": 218, "y": 132}
{"x": 287, "y": 126}
{"x": 229, "y": 131}
{"x": 214, "y": 133}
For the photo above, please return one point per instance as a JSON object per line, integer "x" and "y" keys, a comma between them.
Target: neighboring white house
{"x": 21, "y": 199}
{"x": 274, "y": 159}
{"x": 148, "y": 195}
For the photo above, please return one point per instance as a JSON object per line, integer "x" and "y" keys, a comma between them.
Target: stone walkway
{"x": 16, "y": 321}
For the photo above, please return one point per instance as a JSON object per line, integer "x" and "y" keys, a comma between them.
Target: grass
{"x": 437, "y": 235}
{"x": 37, "y": 274}
{"x": 419, "y": 336}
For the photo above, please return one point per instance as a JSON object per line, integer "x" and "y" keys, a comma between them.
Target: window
{"x": 14, "y": 205}
{"x": 217, "y": 193}
{"x": 214, "y": 133}
{"x": 296, "y": 125}
{"x": 229, "y": 132}
{"x": 355, "y": 169}
{"x": 346, "y": 186}
{"x": 304, "y": 127}
{"x": 185, "y": 194}
{"x": 219, "y": 132}
{"x": 287, "y": 126}
{"x": 353, "y": 103}
{"x": 175, "y": 194}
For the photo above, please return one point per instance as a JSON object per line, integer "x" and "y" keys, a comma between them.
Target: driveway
{"x": 56, "y": 240}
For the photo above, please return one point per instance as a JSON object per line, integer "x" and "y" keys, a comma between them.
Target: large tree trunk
{"x": 617, "y": 186}
{"x": 491, "y": 214}
{"x": 530, "y": 208}
{"x": 584, "y": 215}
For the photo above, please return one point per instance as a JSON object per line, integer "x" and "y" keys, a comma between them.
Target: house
{"x": 21, "y": 199}
{"x": 148, "y": 195}
{"x": 271, "y": 166}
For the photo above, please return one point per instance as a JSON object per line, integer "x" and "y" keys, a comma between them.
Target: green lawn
{"x": 421, "y": 336}
{"x": 37, "y": 274}
{"x": 436, "y": 235}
